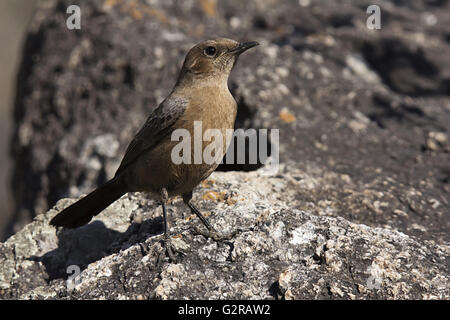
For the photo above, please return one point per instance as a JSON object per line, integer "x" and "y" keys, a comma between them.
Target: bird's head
{"x": 213, "y": 58}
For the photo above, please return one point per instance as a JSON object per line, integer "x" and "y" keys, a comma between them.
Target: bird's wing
{"x": 158, "y": 125}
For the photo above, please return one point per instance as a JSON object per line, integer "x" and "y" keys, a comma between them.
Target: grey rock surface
{"x": 277, "y": 252}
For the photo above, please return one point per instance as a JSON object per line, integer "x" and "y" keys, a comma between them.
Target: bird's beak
{"x": 241, "y": 47}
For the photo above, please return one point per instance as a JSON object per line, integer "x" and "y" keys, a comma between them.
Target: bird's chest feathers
{"x": 215, "y": 107}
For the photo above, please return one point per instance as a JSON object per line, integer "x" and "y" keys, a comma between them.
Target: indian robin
{"x": 200, "y": 94}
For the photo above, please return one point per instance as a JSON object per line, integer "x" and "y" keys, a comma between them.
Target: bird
{"x": 200, "y": 95}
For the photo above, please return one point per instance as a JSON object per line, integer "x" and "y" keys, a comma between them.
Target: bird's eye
{"x": 210, "y": 51}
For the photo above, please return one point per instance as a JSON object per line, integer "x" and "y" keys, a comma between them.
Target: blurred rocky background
{"x": 14, "y": 18}
{"x": 364, "y": 140}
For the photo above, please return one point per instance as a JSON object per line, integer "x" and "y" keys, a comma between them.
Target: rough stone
{"x": 278, "y": 252}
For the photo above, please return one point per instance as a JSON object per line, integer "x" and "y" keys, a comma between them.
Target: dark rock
{"x": 405, "y": 70}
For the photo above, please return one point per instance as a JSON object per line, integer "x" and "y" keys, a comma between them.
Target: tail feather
{"x": 82, "y": 211}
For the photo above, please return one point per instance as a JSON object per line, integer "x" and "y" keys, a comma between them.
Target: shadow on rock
{"x": 92, "y": 242}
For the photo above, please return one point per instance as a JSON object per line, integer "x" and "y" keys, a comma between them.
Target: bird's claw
{"x": 169, "y": 251}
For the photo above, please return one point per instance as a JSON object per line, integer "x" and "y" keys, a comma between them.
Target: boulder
{"x": 275, "y": 251}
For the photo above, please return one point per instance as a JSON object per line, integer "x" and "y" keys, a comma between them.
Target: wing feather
{"x": 158, "y": 125}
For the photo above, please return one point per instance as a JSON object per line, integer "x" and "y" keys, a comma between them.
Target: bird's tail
{"x": 82, "y": 211}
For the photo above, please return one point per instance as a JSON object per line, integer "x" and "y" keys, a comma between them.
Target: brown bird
{"x": 200, "y": 94}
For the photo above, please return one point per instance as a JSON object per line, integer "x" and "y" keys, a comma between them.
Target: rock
{"x": 436, "y": 140}
{"x": 279, "y": 252}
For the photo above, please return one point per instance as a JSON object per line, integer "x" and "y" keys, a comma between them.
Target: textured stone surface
{"x": 278, "y": 252}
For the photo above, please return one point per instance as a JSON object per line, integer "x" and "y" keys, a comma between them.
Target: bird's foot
{"x": 170, "y": 251}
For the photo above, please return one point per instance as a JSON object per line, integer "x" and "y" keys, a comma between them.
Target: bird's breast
{"x": 214, "y": 108}
{"x": 209, "y": 122}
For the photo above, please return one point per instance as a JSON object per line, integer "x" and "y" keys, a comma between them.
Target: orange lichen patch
{"x": 287, "y": 117}
{"x": 108, "y": 4}
{"x": 214, "y": 196}
{"x": 209, "y": 7}
{"x": 193, "y": 216}
{"x": 136, "y": 13}
{"x": 137, "y": 10}
{"x": 133, "y": 8}
{"x": 208, "y": 183}
{"x": 177, "y": 236}
{"x": 231, "y": 201}
{"x": 157, "y": 14}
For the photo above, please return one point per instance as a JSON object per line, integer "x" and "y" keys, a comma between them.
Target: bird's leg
{"x": 187, "y": 200}
{"x": 212, "y": 232}
{"x": 167, "y": 242}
